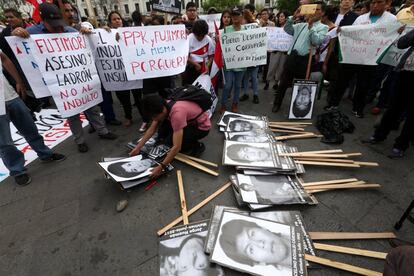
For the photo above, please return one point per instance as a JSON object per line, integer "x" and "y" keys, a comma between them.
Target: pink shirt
{"x": 184, "y": 111}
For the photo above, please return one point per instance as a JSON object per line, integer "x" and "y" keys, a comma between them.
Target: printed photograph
{"x": 245, "y": 125}
{"x": 248, "y": 154}
{"x": 257, "y": 136}
{"x": 227, "y": 115}
{"x": 303, "y": 98}
{"x": 130, "y": 168}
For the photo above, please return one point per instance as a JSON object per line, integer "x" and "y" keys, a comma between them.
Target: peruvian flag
{"x": 35, "y": 13}
{"x": 218, "y": 59}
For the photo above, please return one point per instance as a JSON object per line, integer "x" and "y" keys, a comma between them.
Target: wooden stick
{"x": 342, "y": 266}
{"x": 337, "y": 181}
{"x": 195, "y": 165}
{"x": 354, "y": 154}
{"x": 199, "y": 160}
{"x": 298, "y": 136}
{"x": 329, "y": 164}
{"x": 287, "y": 131}
{"x": 350, "y": 235}
{"x": 194, "y": 209}
{"x": 369, "y": 164}
{"x": 325, "y": 160}
{"x": 182, "y": 197}
{"x": 291, "y": 123}
{"x": 327, "y": 185}
{"x": 321, "y": 151}
{"x": 344, "y": 186}
{"x": 350, "y": 250}
{"x": 287, "y": 127}
{"x": 315, "y": 155}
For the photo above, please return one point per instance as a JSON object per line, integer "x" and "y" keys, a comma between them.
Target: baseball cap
{"x": 51, "y": 14}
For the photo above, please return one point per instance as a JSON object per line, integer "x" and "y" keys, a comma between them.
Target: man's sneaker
{"x": 371, "y": 140}
{"x": 57, "y": 157}
{"x": 83, "y": 148}
{"x": 255, "y": 99}
{"x": 23, "y": 179}
{"x": 108, "y": 136}
{"x": 143, "y": 127}
{"x": 330, "y": 108}
{"x": 196, "y": 152}
{"x": 244, "y": 98}
{"x": 396, "y": 153}
{"x": 114, "y": 122}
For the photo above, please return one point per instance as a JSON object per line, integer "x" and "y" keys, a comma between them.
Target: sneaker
{"x": 266, "y": 86}
{"x": 114, "y": 122}
{"x": 375, "y": 111}
{"x": 396, "y": 154}
{"x": 255, "y": 99}
{"x": 244, "y": 98}
{"x": 371, "y": 140}
{"x": 108, "y": 136}
{"x": 143, "y": 127}
{"x": 83, "y": 148}
{"x": 196, "y": 152}
{"x": 330, "y": 108}
{"x": 23, "y": 179}
{"x": 54, "y": 157}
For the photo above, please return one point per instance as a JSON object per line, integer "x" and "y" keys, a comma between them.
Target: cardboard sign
{"x": 205, "y": 82}
{"x": 278, "y": 39}
{"x": 365, "y": 44}
{"x": 54, "y": 130}
{"x": 68, "y": 67}
{"x": 245, "y": 48}
{"x": 394, "y": 54}
{"x": 308, "y": 9}
{"x": 303, "y": 99}
{"x": 210, "y": 19}
{"x": 168, "y": 6}
{"x": 108, "y": 60}
{"x": 21, "y": 49}
{"x": 154, "y": 51}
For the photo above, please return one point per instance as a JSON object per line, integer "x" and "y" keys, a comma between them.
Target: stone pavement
{"x": 65, "y": 222}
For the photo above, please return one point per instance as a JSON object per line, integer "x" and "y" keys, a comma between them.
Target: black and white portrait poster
{"x": 256, "y": 136}
{"x": 245, "y": 125}
{"x": 130, "y": 168}
{"x": 272, "y": 189}
{"x": 249, "y": 154}
{"x": 258, "y": 246}
{"x": 303, "y": 98}
{"x": 181, "y": 252}
{"x": 227, "y": 115}
{"x": 168, "y": 6}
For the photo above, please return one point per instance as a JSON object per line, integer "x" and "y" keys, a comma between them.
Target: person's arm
{"x": 177, "y": 142}
{"x": 289, "y": 28}
{"x": 148, "y": 134}
{"x": 317, "y": 36}
{"x": 20, "y": 32}
{"x": 406, "y": 40}
{"x": 11, "y": 69}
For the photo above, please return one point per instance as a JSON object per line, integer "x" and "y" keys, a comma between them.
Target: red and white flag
{"x": 35, "y": 14}
{"x": 218, "y": 62}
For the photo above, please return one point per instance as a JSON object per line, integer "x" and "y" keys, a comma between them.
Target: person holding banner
{"x": 53, "y": 23}
{"x": 306, "y": 37}
{"x": 19, "y": 115}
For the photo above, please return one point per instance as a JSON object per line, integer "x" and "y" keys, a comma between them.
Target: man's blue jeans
{"x": 251, "y": 72}
{"x": 233, "y": 80}
{"x": 19, "y": 115}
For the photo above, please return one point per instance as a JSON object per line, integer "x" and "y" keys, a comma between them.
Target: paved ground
{"x": 65, "y": 223}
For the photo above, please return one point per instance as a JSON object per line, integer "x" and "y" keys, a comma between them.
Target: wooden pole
{"x": 198, "y": 160}
{"x": 308, "y": 69}
{"x": 194, "y": 209}
{"x": 298, "y": 136}
{"x": 291, "y": 123}
{"x": 182, "y": 197}
{"x": 327, "y": 182}
{"x": 288, "y": 131}
{"x": 319, "y": 151}
{"x": 350, "y": 235}
{"x": 344, "y": 186}
{"x": 350, "y": 250}
{"x": 315, "y": 155}
{"x": 342, "y": 266}
{"x": 327, "y": 185}
{"x": 324, "y": 160}
{"x": 195, "y": 165}
{"x": 328, "y": 164}
{"x": 287, "y": 127}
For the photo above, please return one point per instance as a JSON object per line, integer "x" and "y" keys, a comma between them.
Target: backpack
{"x": 332, "y": 125}
{"x": 190, "y": 93}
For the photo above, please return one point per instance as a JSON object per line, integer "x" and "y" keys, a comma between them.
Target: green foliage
{"x": 220, "y": 4}
{"x": 287, "y": 5}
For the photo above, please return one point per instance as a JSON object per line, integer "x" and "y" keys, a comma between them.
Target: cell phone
{"x": 308, "y": 9}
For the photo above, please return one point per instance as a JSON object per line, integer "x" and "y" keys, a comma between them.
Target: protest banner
{"x": 51, "y": 126}
{"x": 205, "y": 82}
{"x": 154, "y": 51}
{"x": 68, "y": 67}
{"x": 245, "y": 48}
{"x": 393, "y": 55}
{"x": 365, "y": 44}
{"x": 2, "y": 102}
{"x": 211, "y": 19}
{"x": 250, "y": 26}
{"x": 24, "y": 55}
{"x": 168, "y": 6}
{"x": 109, "y": 62}
{"x": 278, "y": 39}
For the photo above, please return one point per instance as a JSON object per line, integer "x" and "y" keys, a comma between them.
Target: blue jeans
{"x": 251, "y": 72}
{"x": 19, "y": 115}
{"x": 106, "y": 106}
{"x": 233, "y": 79}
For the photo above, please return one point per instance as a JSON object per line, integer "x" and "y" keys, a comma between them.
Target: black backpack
{"x": 190, "y": 93}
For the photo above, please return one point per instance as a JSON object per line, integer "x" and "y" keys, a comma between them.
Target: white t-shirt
{"x": 339, "y": 19}
{"x": 201, "y": 50}
{"x": 364, "y": 19}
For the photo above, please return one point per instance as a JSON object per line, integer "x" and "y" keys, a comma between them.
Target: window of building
{"x": 105, "y": 9}
{"x": 197, "y": 3}
{"x": 126, "y": 8}
{"x": 137, "y": 6}
{"x": 148, "y": 6}
{"x": 86, "y": 12}
{"x": 252, "y": 2}
{"x": 95, "y": 11}
{"x": 116, "y": 7}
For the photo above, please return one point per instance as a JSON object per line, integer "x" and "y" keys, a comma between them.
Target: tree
{"x": 220, "y": 4}
{"x": 287, "y": 5}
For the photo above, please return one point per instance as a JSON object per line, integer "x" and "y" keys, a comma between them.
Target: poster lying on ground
{"x": 181, "y": 252}
{"x": 303, "y": 99}
{"x": 168, "y": 6}
{"x": 260, "y": 136}
{"x": 280, "y": 251}
{"x": 154, "y": 51}
{"x": 245, "y": 48}
{"x": 68, "y": 67}
{"x": 224, "y": 120}
{"x": 108, "y": 60}
{"x": 278, "y": 39}
{"x": 24, "y": 55}
{"x": 365, "y": 44}
{"x": 245, "y": 125}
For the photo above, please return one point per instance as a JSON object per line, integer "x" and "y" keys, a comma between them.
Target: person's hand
{"x": 85, "y": 31}
{"x": 155, "y": 172}
{"x": 106, "y": 28}
{"x": 401, "y": 29}
{"x": 296, "y": 14}
{"x": 135, "y": 151}
{"x": 21, "y": 90}
{"x": 117, "y": 37}
{"x": 20, "y": 32}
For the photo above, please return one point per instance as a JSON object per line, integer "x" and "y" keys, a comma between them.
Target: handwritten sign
{"x": 154, "y": 51}
{"x": 245, "y": 48}
{"x": 393, "y": 55}
{"x": 2, "y": 102}
{"x": 278, "y": 39}
{"x": 27, "y": 62}
{"x": 205, "y": 82}
{"x": 365, "y": 44}
{"x": 68, "y": 67}
{"x": 108, "y": 60}
{"x": 210, "y": 19}
{"x": 168, "y": 6}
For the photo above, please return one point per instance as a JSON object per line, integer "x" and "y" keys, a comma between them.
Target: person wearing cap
{"x": 53, "y": 22}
